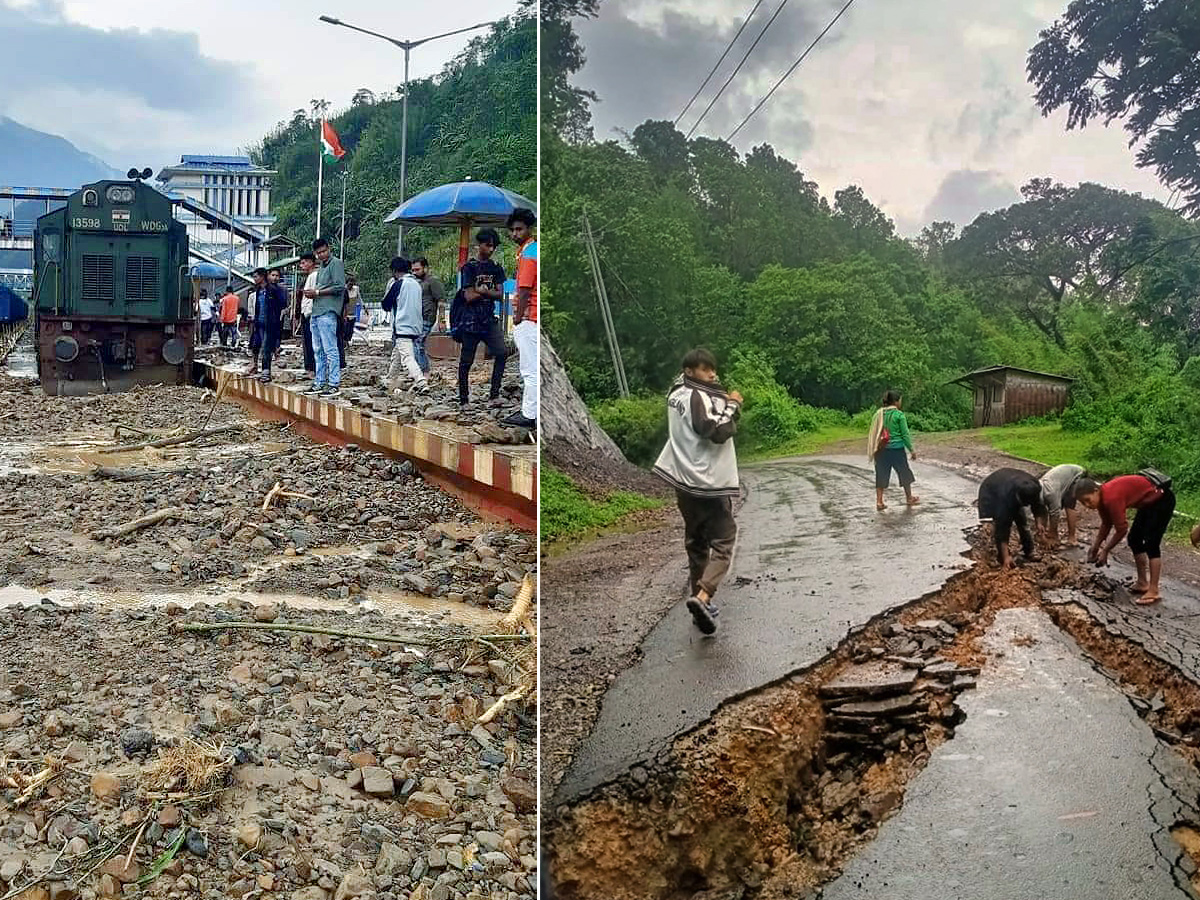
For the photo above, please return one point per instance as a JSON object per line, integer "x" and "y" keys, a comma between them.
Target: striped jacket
{"x": 699, "y": 458}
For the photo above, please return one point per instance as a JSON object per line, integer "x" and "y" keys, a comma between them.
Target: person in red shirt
{"x": 1155, "y": 505}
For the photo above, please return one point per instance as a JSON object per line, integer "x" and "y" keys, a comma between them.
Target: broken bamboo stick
{"x": 171, "y": 512}
{"x": 495, "y": 708}
{"x": 419, "y": 640}
{"x": 171, "y": 442}
{"x": 135, "y": 474}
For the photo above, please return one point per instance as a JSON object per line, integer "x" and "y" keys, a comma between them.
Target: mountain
{"x": 36, "y": 159}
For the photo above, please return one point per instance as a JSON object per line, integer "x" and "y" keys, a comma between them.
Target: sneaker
{"x": 517, "y": 420}
{"x": 702, "y": 615}
{"x": 331, "y": 390}
{"x": 313, "y": 388}
{"x": 265, "y": 377}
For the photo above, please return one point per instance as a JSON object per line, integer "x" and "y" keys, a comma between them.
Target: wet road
{"x": 814, "y": 559}
{"x": 1002, "y": 813}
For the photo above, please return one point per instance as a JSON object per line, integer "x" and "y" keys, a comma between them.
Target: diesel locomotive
{"x": 111, "y": 292}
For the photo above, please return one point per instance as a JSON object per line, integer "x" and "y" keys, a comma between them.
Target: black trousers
{"x": 310, "y": 361}
{"x": 710, "y": 535}
{"x": 206, "y": 330}
{"x": 1002, "y": 529}
{"x": 270, "y": 343}
{"x": 466, "y": 357}
{"x": 1150, "y": 524}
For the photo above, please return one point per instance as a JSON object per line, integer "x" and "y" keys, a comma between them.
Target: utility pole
{"x": 342, "y": 238}
{"x": 605, "y": 312}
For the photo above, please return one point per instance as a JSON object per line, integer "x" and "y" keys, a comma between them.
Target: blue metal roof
{"x": 202, "y": 160}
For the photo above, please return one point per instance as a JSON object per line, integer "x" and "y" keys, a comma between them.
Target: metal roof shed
{"x": 1006, "y": 394}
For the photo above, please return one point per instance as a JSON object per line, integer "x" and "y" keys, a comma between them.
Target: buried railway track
{"x": 782, "y": 788}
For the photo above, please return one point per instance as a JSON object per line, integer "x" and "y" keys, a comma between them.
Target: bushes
{"x": 638, "y": 425}
{"x": 568, "y": 512}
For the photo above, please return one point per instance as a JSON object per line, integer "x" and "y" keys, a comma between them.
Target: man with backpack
{"x": 403, "y": 300}
{"x": 473, "y": 319}
{"x": 1149, "y": 492}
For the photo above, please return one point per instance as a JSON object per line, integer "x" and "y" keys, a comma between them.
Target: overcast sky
{"x": 139, "y": 82}
{"x": 923, "y": 103}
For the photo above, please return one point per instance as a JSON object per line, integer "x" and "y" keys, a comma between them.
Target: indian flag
{"x": 331, "y": 148}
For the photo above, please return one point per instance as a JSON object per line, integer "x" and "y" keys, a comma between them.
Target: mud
{"x": 743, "y": 805}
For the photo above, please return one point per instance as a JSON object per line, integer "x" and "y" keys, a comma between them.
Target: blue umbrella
{"x": 461, "y": 203}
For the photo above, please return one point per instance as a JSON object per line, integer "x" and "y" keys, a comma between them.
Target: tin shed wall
{"x": 1027, "y": 395}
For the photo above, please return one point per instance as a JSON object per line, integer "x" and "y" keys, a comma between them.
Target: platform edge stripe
{"x": 485, "y": 462}
{"x": 523, "y": 475}
{"x": 502, "y": 473}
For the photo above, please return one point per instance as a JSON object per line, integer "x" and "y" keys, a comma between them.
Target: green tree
{"x": 1134, "y": 60}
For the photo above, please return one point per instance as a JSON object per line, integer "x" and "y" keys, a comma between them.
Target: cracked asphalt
{"x": 1053, "y": 787}
{"x": 814, "y": 560}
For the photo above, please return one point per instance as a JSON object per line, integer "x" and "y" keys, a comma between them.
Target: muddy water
{"x": 387, "y": 602}
{"x": 80, "y": 454}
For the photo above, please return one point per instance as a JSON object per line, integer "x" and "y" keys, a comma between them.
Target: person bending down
{"x": 1058, "y": 493}
{"x": 700, "y": 462}
{"x": 1003, "y": 497}
{"x": 1155, "y": 504}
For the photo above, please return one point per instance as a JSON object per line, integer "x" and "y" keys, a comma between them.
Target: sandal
{"x": 913, "y": 501}
{"x": 1147, "y": 601}
{"x": 880, "y": 506}
{"x": 1135, "y": 589}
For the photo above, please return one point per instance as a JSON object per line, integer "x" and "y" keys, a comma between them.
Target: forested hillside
{"x": 477, "y": 119}
{"x": 816, "y": 305}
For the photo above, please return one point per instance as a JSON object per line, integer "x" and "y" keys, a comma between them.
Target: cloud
{"x": 162, "y": 69}
{"x": 900, "y": 98}
{"x": 648, "y": 59}
{"x": 965, "y": 194}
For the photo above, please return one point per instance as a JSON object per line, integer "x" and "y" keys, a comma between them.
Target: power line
{"x": 713, "y": 71}
{"x": 737, "y": 69}
{"x": 786, "y": 74}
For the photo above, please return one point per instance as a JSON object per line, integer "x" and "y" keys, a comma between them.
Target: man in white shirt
{"x": 403, "y": 298}
{"x": 207, "y": 317}
{"x": 308, "y": 270}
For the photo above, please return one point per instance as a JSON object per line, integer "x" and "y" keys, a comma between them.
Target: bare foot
{"x": 1147, "y": 598}
{"x": 881, "y": 506}
{"x": 913, "y": 501}
{"x": 1138, "y": 588}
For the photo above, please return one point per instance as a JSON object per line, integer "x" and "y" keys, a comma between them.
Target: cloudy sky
{"x": 138, "y": 82}
{"x": 923, "y": 103}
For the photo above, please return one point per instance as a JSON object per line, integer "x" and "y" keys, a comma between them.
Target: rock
{"x": 392, "y": 859}
{"x": 136, "y": 740}
{"x": 59, "y": 890}
{"x": 877, "y": 678}
{"x": 312, "y": 892}
{"x": 77, "y": 846}
{"x": 241, "y": 674}
{"x": 521, "y": 792}
{"x": 126, "y": 874}
{"x": 377, "y": 781}
{"x": 195, "y": 843}
{"x": 363, "y": 759}
{"x": 265, "y": 613}
{"x": 11, "y": 868}
{"x": 52, "y": 726}
{"x": 249, "y": 835}
{"x": 837, "y": 796}
{"x": 261, "y": 543}
{"x": 11, "y": 719}
{"x": 877, "y": 708}
{"x": 878, "y": 806}
{"x": 431, "y": 806}
{"x": 353, "y": 886}
{"x": 106, "y": 787}
{"x": 266, "y": 881}
{"x": 169, "y": 816}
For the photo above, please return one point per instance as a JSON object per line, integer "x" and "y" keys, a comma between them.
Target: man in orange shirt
{"x": 228, "y": 315}
{"x": 525, "y": 328}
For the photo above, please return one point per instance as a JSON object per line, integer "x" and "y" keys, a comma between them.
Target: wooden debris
{"x": 171, "y": 512}
{"x": 278, "y": 491}
{"x": 112, "y": 474}
{"x": 173, "y": 441}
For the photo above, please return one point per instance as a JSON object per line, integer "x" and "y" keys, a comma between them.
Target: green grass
{"x": 807, "y": 444}
{"x": 1050, "y": 445}
{"x": 1047, "y": 444}
{"x": 567, "y": 512}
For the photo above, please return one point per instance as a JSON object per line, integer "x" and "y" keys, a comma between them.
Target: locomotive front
{"x": 111, "y": 291}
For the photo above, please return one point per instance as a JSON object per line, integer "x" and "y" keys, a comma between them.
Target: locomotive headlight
{"x": 119, "y": 193}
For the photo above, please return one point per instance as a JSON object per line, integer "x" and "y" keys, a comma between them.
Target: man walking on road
{"x": 328, "y": 297}
{"x": 404, "y": 298}
{"x": 525, "y": 328}
{"x": 1149, "y": 492}
{"x": 1003, "y": 497}
{"x": 432, "y": 296}
{"x": 700, "y": 462}
{"x": 1058, "y": 494}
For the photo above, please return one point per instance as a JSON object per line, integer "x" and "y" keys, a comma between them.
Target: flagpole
{"x": 320, "y": 176}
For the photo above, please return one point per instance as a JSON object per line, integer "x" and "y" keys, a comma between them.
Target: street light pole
{"x": 342, "y": 238}
{"x": 407, "y": 47}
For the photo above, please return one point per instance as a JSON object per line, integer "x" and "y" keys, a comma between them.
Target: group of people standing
{"x": 413, "y": 297}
